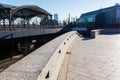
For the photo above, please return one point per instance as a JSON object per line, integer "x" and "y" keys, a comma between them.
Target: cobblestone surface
{"x": 95, "y": 59}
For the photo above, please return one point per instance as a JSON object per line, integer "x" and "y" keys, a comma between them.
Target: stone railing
{"x": 95, "y": 33}
{"x": 42, "y": 64}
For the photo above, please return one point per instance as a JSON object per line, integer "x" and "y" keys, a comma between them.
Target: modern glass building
{"x": 102, "y": 18}
{"x": 56, "y": 17}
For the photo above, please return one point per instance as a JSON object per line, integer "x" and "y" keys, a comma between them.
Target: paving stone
{"x": 113, "y": 78}
{"x": 81, "y": 77}
{"x": 72, "y": 75}
{"x": 95, "y": 59}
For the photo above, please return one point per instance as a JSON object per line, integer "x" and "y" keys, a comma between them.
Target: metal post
{"x": 4, "y": 23}
{"x": 0, "y": 22}
{"x": 24, "y": 23}
{"x": 12, "y": 23}
{"x": 46, "y": 20}
{"x": 10, "y": 20}
{"x": 51, "y": 19}
{"x": 28, "y": 23}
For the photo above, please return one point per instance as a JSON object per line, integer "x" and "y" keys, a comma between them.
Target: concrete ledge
{"x": 42, "y": 64}
{"x": 65, "y": 65}
{"x": 94, "y": 33}
{"x": 109, "y": 31}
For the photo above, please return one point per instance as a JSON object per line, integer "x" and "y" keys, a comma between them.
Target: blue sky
{"x": 64, "y": 7}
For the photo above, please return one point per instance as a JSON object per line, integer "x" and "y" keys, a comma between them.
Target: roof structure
{"x": 24, "y": 11}
{"x": 6, "y": 6}
{"x": 28, "y": 11}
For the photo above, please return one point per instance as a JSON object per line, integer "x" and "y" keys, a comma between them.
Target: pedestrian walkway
{"x": 95, "y": 59}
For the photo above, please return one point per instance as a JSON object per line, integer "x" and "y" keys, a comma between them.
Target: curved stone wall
{"x": 42, "y": 64}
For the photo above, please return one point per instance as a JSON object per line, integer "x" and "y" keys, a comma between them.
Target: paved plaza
{"x": 95, "y": 59}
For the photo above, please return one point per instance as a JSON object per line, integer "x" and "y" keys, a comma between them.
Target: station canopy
{"x": 25, "y": 11}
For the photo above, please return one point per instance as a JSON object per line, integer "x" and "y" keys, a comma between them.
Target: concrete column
{"x": 26, "y": 47}
{"x": 13, "y": 47}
